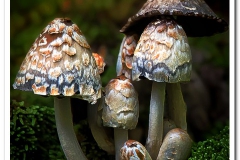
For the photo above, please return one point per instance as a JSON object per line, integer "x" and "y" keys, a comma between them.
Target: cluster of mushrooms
{"x": 60, "y": 63}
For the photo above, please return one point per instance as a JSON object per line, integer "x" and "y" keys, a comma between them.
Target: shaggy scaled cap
{"x": 121, "y": 107}
{"x": 162, "y": 53}
{"x": 60, "y": 63}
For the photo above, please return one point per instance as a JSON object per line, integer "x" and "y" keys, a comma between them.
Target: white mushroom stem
{"x": 98, "y": 132}
{"x": 155, "y": 128}
{"x": 120, "y": 137}
{"x": 176, "y": 105}
{"x": 66, "y": 134}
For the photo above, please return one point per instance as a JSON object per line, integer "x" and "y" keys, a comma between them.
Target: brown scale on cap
{"x": 121, "y": 104}
{"x": 100, "y": 62}
{"x": 124, "y": 62}
{"x": 194, "y": 16}
{"x": 162, "y": 53}
{"x": 133, "y": 150}
{"x": 60, "y": 62}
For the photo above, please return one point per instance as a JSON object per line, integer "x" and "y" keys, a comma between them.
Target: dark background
{"x": 206, "y": 95}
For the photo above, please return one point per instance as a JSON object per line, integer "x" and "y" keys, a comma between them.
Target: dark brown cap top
{"x": 60, "y": 63}
{"x": 195, "y": 16}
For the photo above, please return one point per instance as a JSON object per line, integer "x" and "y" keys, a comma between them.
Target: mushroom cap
{"x": 176, "y": 145}
{"x": 134, "y": 150}
{"x": 124, "y": 61}
{"x": 162, "y": 53}
{"x": 60, "y": 63}
{"x": 195, "y": 16}
{"x": 121, "y": 107}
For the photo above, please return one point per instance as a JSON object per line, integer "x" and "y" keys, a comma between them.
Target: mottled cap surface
{"x": 121, "y": 107}
{"x": 60, "y": 63}
{"x": 195, "y": 16}
{"x": 134, "y": 150}
{"x": 162, "y": 53}
{"x": 124, "y": 61}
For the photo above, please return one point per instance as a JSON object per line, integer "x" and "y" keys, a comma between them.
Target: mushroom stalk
{"x": 66, "y": 134}
{"x": 120, "y": 137}
{"x": 99, "y": 132}
{"x": 155, "y": 128}
{"x": 176, "y": 105}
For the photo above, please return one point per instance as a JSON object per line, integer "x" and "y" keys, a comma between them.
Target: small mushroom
{"x": 60, "y": 64}
{"x": 134, "y": 150}
{"x": 120, "y": 110}
{"x": 176, "y": 145}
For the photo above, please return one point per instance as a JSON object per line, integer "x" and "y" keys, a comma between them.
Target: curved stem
{"x": 155, "y": 128}
{"x": 176, "y": 105}
{"x": 99, "y": 132}
{"x": 66, "y": 134}
{"x": 120, "y": 137}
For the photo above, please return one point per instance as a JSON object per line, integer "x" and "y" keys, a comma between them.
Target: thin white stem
{"x": 176, "y": 105}
{"x": 66, "y": 134}
{"x": 155, "y": 128}
{"x": 98, "y": 132}
{"x": 120, "y": 137}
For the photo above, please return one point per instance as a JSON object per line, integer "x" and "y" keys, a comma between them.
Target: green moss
{"x": 34, "y": 134}
{"x": 214, "y": 148}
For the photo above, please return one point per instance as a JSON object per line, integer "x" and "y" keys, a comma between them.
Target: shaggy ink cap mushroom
{"x": 134, "y": 150}
{"x": 163, "y": 56}
{"x": 195, "y": 16}
{"x": 120, "y": 110}
{"x": 60, "y": 63}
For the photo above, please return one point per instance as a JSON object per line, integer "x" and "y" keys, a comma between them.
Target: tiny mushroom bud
{"x": 120, "y": 109}
{"x": 60, "y": 64}
{"x": 176, "y": 145}
{"x": 134, "y": 150}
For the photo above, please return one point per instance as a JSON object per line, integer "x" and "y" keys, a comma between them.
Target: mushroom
{"x": 176, "y": 145}
{"x": 120, "y": 110}
{"x": 160, "y": 38}
{"x": 60, "y": 64}
{"x": 134, "y": 150}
